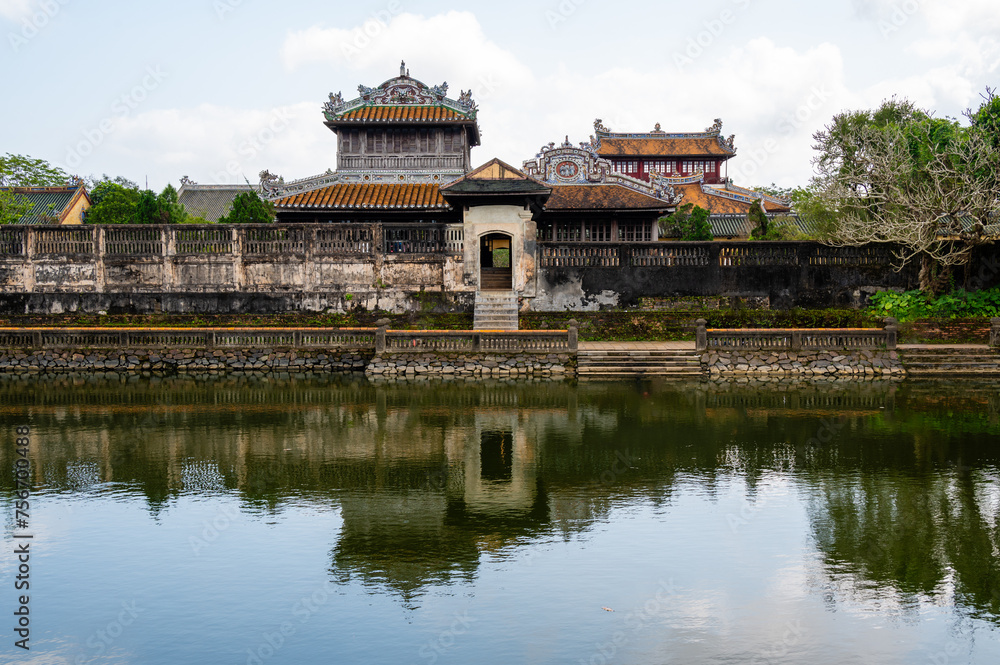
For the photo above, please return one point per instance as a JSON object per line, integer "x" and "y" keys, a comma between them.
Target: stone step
{"x": 496, "y": 310}
{"x": 917, "y": 366}
{"x": 639, "y": 370}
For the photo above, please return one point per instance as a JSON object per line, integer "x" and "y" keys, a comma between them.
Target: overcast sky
{"x": 221, "y": 89}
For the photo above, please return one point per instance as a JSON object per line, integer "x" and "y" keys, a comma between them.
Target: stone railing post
{"x": 701, "y": 335}
{"x": 574, "y": 335}
{"x": 796, "y": 342}
{"x": 891, "y": 333}
{"x": 995, "y": 332}
{"x": 383, "y": 325}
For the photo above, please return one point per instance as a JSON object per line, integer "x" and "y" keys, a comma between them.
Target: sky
{"x": 219, "y": 90}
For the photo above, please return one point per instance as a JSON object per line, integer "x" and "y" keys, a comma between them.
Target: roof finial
{"x": 402, "y": 68}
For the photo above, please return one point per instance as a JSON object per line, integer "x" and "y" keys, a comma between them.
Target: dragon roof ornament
{"x": 602, "y": 132}
{"x": 402, "y": 90}
{"x": 570, "y": 165}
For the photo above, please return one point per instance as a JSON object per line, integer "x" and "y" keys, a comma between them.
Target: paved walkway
{"x": 636, "y": 346}
{"x": 911, "y": 347}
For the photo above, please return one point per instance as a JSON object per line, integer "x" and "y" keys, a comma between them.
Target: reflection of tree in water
{"x": 912, "y": 533}
{"x": 902, "y": 495}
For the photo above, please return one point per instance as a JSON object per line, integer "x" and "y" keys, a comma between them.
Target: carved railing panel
{"x": 869, "y": 255}
{"x": 203, "y": 241}
{"x": 13, "y": 241}
{"x": 133, "y": 241}
{"x": 664, "y": 254}
{"x": 343, "y": 239}
{"x": 64, "y": 241}
{"x": 412, "y": 240}
{"x": 758, "y": 254}
{"x": 814, "y": 339}
{"x": 579, "y": 256}
{"x": 274, "y": 241}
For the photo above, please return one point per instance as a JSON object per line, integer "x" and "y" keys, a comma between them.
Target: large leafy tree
{"x": 898, "y": 174}
{"x": 690, "y": 222}
{"x": 249, "y": 208}
{"x": 13, "y": 206}
{"x": 24, "y": 171}
{"x": 113, "y": 204}
{"x": 120, "y": 201}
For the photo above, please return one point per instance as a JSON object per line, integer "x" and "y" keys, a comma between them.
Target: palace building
{"x": 405, "y": 175}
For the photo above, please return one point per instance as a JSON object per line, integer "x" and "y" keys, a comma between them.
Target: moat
{"x": 259, "y": 519}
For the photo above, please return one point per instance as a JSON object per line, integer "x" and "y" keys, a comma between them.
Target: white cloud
{"x": 15, "y": 10}
{"x": 451, "y": 44}
{"x": 217, "y": 145}
{"x": 773, "y": 98}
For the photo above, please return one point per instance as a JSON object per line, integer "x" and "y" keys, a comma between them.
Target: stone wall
{"x": 182, "y": 360}
{"x": 857, "y": 364}
{"x": 473, "y": 365}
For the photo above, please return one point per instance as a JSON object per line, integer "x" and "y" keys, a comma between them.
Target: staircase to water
{"x": 951, "y": 361}
{"x": 495, "y": 310}
{"x": 603, "y": 364}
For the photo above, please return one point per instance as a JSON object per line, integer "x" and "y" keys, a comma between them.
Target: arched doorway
{"x": 495, "y": 262}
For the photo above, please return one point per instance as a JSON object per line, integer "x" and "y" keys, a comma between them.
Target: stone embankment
{"x": 806, "y": 363}
{"x": 472, "y": 365}
{"x": 182, "y": 360}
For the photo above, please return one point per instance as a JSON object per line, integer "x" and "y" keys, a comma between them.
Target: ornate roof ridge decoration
{"x": 402, "y": 90}
{"x": 571, "y": 165}
{"x": 729, "y": 190}
{"x": 715, "y": 131}
{"x": 274, "y": 187}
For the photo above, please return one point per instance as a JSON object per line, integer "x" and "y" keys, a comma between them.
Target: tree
{"x": 171, "y": 212}
{"x": 758, "y": 221}
{"x": 24, "y": 171}
{"x": 249, "y": 208}
{"x": 690, "y": 222}
{"x": 897, "y": 174}
{"x": 113, "y": 203}
{"x": 13, "y": 206}
{"x": 147, "y": 209}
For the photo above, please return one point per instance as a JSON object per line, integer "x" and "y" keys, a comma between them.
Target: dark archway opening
{"x": 495, "y": 259}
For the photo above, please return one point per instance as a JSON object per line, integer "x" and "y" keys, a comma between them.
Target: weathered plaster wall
{"x": 513, "y": 221}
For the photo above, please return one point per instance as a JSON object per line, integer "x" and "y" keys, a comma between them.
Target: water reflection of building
{"x": 428, "y": 481}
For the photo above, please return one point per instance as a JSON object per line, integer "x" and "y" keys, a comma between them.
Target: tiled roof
{"x": 403, "y": 114}
{"x": 48, "y": 203}
{"x": 209, "y": 201}
{"x": 601, "y": 197}
{"x": 368, "y": 197}
{"x": 723, "y": 226}
{"x": 661, "y": 147}
{"x": 719, "y": 205}
{"x": 495, "y": 177}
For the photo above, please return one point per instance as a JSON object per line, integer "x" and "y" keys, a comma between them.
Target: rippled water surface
{"x": 338, "y": 521}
